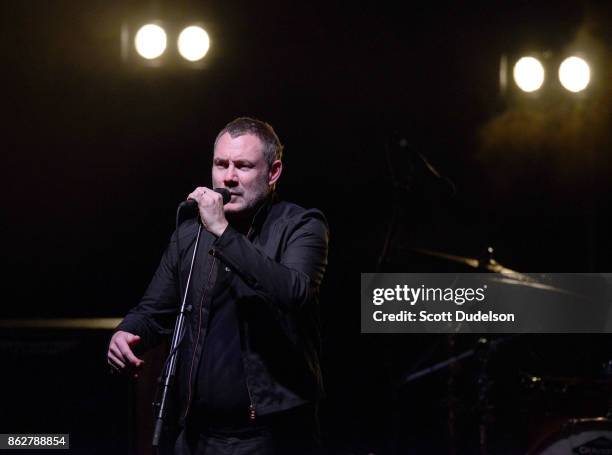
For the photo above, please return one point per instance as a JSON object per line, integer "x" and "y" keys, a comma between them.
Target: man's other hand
{"x": 120, "y": 355}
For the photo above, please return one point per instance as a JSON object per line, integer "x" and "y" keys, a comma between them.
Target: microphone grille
{"x": 224, "y": 192}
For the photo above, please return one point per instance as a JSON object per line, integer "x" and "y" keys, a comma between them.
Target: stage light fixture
{"x": 193, "y": 43}
{"x": 150, "y": 41}
{"x": 574, "y": 74}
{"x": 528, "y": 74}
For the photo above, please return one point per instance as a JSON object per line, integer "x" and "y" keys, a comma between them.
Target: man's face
{"x": 239, "y": 166}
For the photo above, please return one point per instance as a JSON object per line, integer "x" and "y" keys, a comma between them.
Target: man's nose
{"x": 230, "y": 177}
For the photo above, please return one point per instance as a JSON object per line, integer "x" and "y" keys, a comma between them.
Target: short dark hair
{"x": 272, "y": 148}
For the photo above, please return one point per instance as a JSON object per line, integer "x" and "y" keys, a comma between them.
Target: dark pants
{"x": 291, "y": 432}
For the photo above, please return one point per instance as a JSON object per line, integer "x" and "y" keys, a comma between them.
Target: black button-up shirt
{"x": 221, "y": 391}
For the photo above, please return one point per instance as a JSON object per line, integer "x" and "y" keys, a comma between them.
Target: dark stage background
{"x": 99, "y": 151}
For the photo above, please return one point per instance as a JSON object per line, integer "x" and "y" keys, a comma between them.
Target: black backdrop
{"x": 99, "y": 151}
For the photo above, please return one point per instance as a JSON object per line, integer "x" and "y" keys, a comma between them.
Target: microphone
{"x": 191, "y": 203}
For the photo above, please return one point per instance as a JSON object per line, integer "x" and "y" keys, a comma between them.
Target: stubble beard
{"x": 248, "y": 212}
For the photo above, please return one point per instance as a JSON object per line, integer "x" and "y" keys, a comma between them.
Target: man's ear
{"x": 275, "y": 172}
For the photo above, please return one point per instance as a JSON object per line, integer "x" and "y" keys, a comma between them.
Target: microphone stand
{"x": 169, "y": 371}
{"x": 167, "y": 378}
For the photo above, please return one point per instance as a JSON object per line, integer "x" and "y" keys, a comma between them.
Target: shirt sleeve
{"x": 153, "y": 317}
{"x": 295, "y": 280}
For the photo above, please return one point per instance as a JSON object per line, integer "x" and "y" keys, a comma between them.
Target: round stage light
{"x": 574, "y": 74}
{"x": 193, "y": 43}
{"x": 528, "y": 74}
{"x": 150, "y": 41}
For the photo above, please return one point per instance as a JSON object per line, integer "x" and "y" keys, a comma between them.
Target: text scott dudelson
{"x": 445, "y": 316}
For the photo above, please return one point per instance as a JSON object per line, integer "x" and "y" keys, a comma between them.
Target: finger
{"x": 133, "y": 340}
{"x": 206, "y": 193}
{"x": 119, "y": 366}
{"x": 114, "y": 362}
{"x": 216, "y": 196}
{"x": 211, "y": 199}
{"x": 197, "y": 193}
{"x": 202, "y": 190}
{"x": 128, "y": 354}
{"x": 116, "y": 352}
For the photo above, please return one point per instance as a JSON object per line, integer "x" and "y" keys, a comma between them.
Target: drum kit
{"x": 561, "y": 413}
{"x": 564, "y": 410}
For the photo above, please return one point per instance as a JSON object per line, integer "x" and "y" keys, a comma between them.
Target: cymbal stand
{"x": 483, "y": 355}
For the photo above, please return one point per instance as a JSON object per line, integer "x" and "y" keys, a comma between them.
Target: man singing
{"x": 248, "y": 376}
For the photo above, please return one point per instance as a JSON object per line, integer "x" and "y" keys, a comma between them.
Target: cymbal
{"x": 488, "y": 265}
{"x": 508, "y": 276}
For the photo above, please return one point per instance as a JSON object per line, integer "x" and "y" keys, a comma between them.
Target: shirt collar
{"x": 263, "y": 210}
